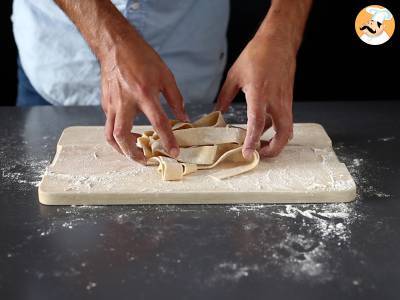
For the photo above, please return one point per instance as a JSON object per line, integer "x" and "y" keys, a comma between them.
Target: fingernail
{"x": 174, "y": 152}
{"x": 248, "y": 154}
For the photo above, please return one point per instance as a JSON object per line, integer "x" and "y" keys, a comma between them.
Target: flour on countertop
{"x": 27, "y": 169}
{"x": 302, "y": 251}
{"x": 230, "y": 271}
{"x": 305, "y": 255}
{"x": 25, "y": 172}
{"x": 295, "y": 241}
{"x": 91, "y": 285}
{"x": 327, "y": 226}
{"x": 387, "y": 139}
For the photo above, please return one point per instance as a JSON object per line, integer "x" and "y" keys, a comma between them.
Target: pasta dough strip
{"x": 204, "y": 144}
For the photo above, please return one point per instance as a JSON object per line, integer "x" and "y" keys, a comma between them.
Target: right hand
{"x": 132, "y": 77}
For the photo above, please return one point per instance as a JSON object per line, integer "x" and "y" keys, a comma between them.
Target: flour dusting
{"x": 308, "y": 247}
{"x": 24, "y": 172}
{"x": 387, "y": 139}
{"x": 240, "y": 242}
{"x": 231, "y": 271}
{"x": 21, "y": 166}
{"x": 306, "y": 254}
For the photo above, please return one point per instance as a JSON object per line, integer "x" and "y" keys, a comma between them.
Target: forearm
{"x": 285, "y": 21}
{"x": 99, "y": 22}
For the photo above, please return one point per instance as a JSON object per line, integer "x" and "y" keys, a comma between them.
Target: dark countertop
{"x": 334, "y": 251}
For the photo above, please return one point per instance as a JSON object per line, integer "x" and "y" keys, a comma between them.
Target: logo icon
{"x": 374, "y": 25}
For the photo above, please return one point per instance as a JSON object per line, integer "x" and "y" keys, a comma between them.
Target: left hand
{"x": 264, "y": 71}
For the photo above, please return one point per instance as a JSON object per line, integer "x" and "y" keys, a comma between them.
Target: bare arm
{"x": 132, "y": 75}
{"x": 264, "y": 71}
{"x": 287, "y": 19}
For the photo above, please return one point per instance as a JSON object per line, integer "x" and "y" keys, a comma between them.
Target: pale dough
{"x": 203, "y": 144}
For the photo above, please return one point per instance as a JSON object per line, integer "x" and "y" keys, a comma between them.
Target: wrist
{"x": 113, "y": 34}
{"x": 278, "y": 37}
{"x": 285, "y": 23}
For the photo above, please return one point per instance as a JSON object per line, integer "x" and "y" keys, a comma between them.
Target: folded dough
{"x": 203, "y": 144}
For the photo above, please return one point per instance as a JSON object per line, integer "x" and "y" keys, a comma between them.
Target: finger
{"x": 104, "y": 106}
{"x": 175, "y": 99}
{"x": 290, "y": 124}
{"x": 123, "y": 133}
{"x": 255, "y": 125}
{"x": 268, "y": 122}
{"x": 138, "y": 153}
{"x": 105, "y": 96}
{"x": 267, "y": 125}
{"x": 157, "y": 117}
{"x": 284, "y": 128}
{"x": 291, "y": 132}
{"x": 109, "y": 129}
{"x": 110, "y": 115}
{"x": 227, "y": 93}
{"x": 290, "y": 112}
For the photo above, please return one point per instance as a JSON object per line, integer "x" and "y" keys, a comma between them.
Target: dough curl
{"x": 203, "y": 144}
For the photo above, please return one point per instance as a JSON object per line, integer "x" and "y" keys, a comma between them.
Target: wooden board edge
{"x": 48, "y": 198}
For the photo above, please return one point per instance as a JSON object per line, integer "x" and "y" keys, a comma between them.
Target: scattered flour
{"x": 357, "y": 162}
{"x": 387, "y": 139}
{"x": 231, "y": 271}
{"x": 22, "y": 165}
{"x": 293, "y": 212}
{"x": 362, "y": 170}
{"x": 91, "y": 285}
{"x": 317, "y": 231}
{"x": 24, "y": 172}
{"x": 299, "y": 241}
{"x": 301, "y": 244}
{"x": 305, "y": 250}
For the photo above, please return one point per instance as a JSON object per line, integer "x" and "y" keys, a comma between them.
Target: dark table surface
{"x": 334, "y": 251}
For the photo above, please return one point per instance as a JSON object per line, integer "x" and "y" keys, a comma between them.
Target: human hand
{"x": 132, "y": 77}
{"x": 264, "y": 71}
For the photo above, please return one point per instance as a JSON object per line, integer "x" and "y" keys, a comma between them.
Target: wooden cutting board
{"x": 87, "y": 171}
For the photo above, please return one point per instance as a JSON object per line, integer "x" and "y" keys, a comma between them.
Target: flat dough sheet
{"x": 87, "y": 171}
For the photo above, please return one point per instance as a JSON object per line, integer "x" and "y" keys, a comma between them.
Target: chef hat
{"x": 379, "y": 14}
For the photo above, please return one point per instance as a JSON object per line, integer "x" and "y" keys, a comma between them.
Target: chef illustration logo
{"x": 375, "y": 25}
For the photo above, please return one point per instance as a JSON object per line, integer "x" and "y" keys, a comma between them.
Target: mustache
{"x": 368, "y": 28}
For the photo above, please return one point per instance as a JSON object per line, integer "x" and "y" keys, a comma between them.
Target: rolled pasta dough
{"x": 203, "y": 144}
